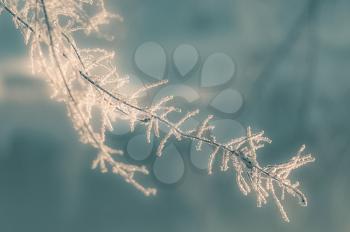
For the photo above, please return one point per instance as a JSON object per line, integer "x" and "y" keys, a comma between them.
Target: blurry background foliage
{"x": 292, "y": 60}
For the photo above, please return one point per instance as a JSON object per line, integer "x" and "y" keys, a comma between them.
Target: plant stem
{"x": 123, "y": 102}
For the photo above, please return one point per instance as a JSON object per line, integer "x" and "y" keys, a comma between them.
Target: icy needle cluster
{"x": 88, "y": 82}
{"x": 262, "y": 181}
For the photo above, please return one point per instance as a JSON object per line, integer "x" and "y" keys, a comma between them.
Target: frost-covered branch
{"x": 88, "y": 82}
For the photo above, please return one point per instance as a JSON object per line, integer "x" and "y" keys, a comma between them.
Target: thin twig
{"x": 171, "y": 126}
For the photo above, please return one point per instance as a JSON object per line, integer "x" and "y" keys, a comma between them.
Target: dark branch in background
{"x": 284, "y": 47}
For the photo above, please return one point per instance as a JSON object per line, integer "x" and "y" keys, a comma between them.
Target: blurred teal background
{"x": 292, "y": 68}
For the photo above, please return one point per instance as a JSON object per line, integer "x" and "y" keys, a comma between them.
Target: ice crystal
{"x": 262, "y": 181}
{"x": 87, "y": 81}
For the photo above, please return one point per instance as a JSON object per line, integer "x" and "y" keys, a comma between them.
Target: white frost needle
{"x": 87, "y": 79}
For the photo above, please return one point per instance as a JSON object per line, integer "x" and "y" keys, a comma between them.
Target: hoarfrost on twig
{"x": 87, "y": 79}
